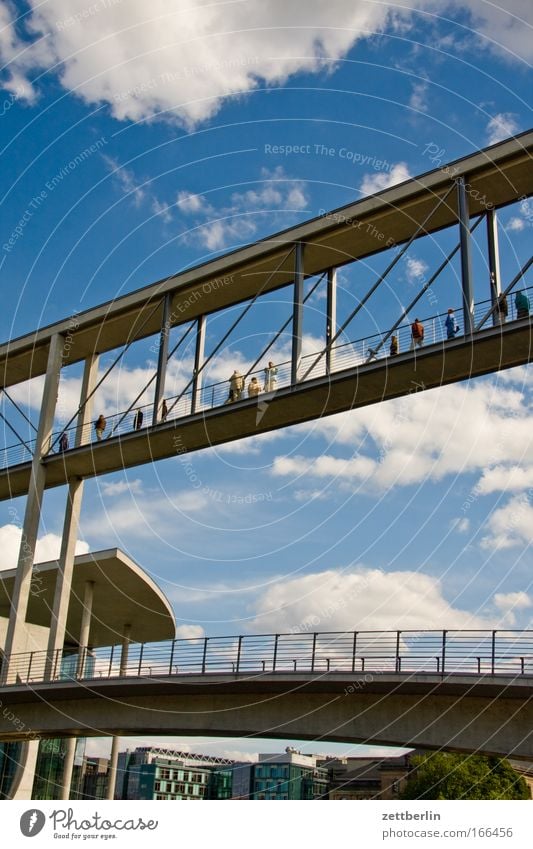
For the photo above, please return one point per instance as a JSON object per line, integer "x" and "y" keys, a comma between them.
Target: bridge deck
{"x": 486, "y": 351}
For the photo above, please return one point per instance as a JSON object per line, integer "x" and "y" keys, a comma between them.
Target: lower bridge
{"x": 456, "y": 690}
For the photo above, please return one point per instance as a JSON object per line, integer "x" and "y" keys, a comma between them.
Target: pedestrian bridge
{"x": 468, "y": 691}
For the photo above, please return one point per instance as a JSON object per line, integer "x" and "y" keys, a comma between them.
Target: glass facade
{"x": 10, "y": 754}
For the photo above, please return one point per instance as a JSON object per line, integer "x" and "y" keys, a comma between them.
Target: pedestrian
{"x": 452, "y": 328}
{"x": 270, "y": 377}
{"x": 393, "y": 350}
{"x": 63, "y": 441}
{"x": 417, "y": 334}
{"x": 502, "y": 310}
{"x": 164, "y": 411}
{"x": 99, "y": 427}
{"x": 138, "y": 420}
{"x": 521, "y": 303}
{"x": 236, "y": 385}
{"x": 254, "y": 388}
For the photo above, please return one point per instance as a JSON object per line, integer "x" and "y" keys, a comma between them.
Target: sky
{"x": 138, "y": 140}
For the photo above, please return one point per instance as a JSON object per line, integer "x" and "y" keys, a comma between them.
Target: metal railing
{"x": 479, "y": 653}
{"x": 358, "y": 353}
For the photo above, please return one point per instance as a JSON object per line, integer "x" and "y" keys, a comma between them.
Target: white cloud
{"x": 415, "y": 269}
{"x": 189, "y": 202}
{"x": 47, "y": 548}
{"x": 501, "y": 126}
{"x": 510, "y": 526}
{"x": 125, "y": 179}
{"x": 508, "y": 603}
{"x": 418, "y": 99}
{"x": 277, "y": 194}
{"x": 516, "y": 224}
{"x": 183, "y": 60}
{"x": 135, "y": 487}
{"x": 462, "y": 526}
{"x": 505, "y": 479}
{"x": 373, "y": 183}
{"x": 189, "y": 632}
{"x": 453, "y": 430}
{"x": 359, "y": 599}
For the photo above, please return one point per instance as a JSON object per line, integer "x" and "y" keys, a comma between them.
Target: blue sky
{"x": 134, "y": 146}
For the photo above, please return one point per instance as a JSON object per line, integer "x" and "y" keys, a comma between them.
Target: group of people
{"x": 237, "y": 381}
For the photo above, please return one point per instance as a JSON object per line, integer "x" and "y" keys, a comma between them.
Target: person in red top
{"x": 417, "y": 333}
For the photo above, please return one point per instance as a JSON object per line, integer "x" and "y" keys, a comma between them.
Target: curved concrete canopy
{"x": 123, "y": 595}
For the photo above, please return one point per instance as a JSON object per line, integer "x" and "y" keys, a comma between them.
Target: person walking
{"x": 521, "y": 303}
{"x": 164, "y": 411}
{"x": 417, "y": 334}
{"x": 236, "y": 385}
{"x": 502, "y": 309}
{"x": 138, "y": 420}
{"x": 452, "y": 328}
{"x": 393, "y": 350}
{"x": 254, "y": 388}
{"x": 63, "y": 441}
{"x": 270, "y": 377}
{"x": 99, "y": 427}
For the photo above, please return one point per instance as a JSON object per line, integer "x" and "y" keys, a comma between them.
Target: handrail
{"x": 487, "y": 653}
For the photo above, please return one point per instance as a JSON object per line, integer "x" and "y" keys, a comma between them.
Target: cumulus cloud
{"x": 358, "y": 599}
{"x": 48, "y": 547}
{"x": 501, "y": 126}
{"x": 373, "y": 183}
{"x": 510, "y": 526}
{"x": 509, "y": 603}
{"x": 182, "y": 61}
{"x": 189, "y": 632}
{"x": 425, "y": 436}
{"x": 415, "y": 269}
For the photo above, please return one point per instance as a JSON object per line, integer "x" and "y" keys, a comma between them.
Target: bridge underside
{"x": 486, "y": 351}
{"x": 464, "y": 713}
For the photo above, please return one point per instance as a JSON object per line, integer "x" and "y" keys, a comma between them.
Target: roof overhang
{"x": 124, "y": 594}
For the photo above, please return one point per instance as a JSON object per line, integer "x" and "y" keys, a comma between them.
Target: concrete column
{"x": 198, "y": 360}
{"x": 68, "y": 766}
{"x": 466, "y": 257}
{"x": 162, "y": 359}
{"x": 331, "y": 317}
{"x": 297, "y": 313}
{"x": 56, "y": 638}
{"x": 83, "y": 642}
{"x": 90, "y": 376}
{"x": 113, "y": 757}
{"x": 32, "y": 515}
{"x": 494, "y": 260}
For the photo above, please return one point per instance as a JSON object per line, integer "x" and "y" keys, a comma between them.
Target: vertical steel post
{"x": 493, "y": 653}
{"x": 204, "y": 656}
{"x": 297, "y": 313}
{"x": 162, "y": 359}
{"x": 198, "y": 360}
{"x": 398, "y": 651}
{"x": 239, "y": 653}
{"x": 354, "y": 650}
{"x": 313, "y": 653}
{"x": 494, "y": 260}
{"x": 443, "y": 651}
{"x": 331, "y": 317}
{"x": 275, "y": 653}
{"x": 466, "y": 257}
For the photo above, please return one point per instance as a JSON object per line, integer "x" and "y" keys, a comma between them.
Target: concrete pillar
{"x": 331, "y": 317}
{"x": 90, "y": 376}
{"x": 297, "y": 313}
{"x": 113, "y": 758}
{"x": 56, "y": 638}
{"x": 493, "y": 249}
{"x": 32, "y": 515}
{"x": 162, "y": 359}
{"x": 83, "y": 642}
{"x": 198, "y": 360}
{"x": 68, "y": 766}
{"x": 466, "y": 257}
{"x": 58, "y": 621}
